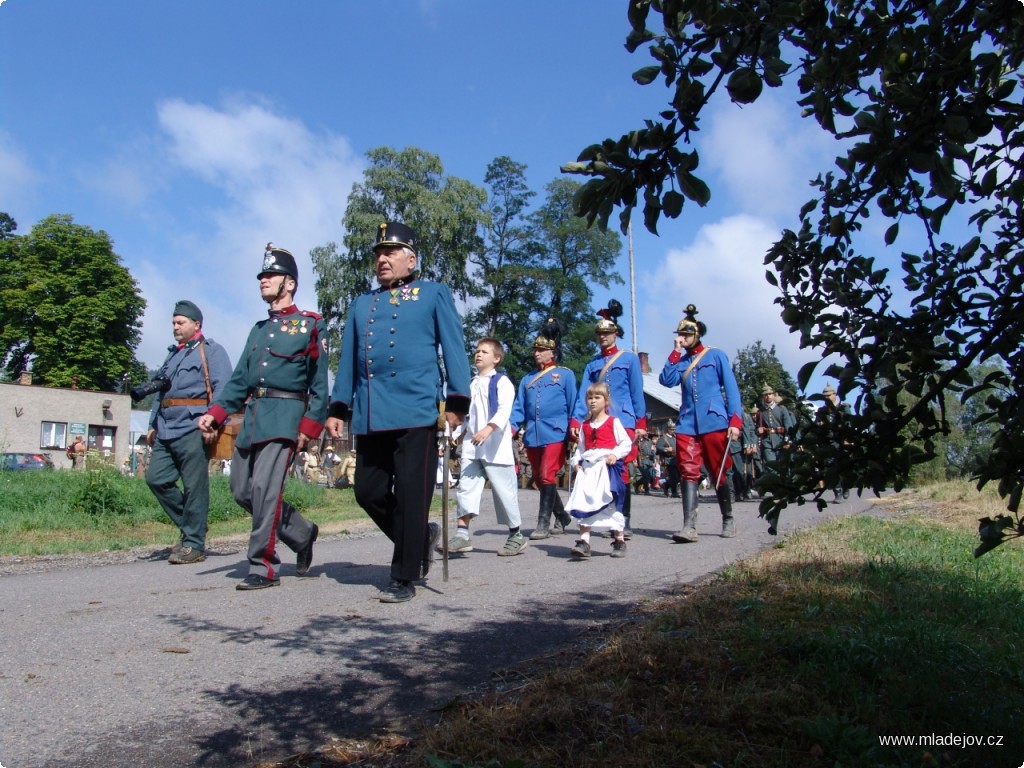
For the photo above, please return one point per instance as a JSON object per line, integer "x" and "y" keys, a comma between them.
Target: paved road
{"x": 145, "y": 664}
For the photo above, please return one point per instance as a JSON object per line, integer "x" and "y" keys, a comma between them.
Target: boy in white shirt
{"x": 487, "y": 452}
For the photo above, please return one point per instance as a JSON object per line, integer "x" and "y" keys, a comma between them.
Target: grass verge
{"x": 57, "y": 513}
{"x": 803, "y": 656}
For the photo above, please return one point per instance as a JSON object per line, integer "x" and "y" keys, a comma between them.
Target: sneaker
{"x": 178, "y": 546}
{"x": 459, "y": 543}
{"x": 398, "y": 591}
{"x": 253, "y": 581}
{"x": 514, "y": 544}
{"x": 187, "y": 555}
{"x": 433, "y": 537}
{"x": 580, "y": 549}
{"x": 618, "y": 548}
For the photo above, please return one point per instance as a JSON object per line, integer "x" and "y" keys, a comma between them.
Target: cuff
{"x": 675, "y": 357}
{"x": 573, "y": 424}
{"x": 218, "y": 413}
{"x": 642, "y": 423}
{"x": 736, "y": 421}
{"x": 310, "y": 428}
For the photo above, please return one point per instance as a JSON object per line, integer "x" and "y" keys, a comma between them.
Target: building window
{"x": 54, "y": 434}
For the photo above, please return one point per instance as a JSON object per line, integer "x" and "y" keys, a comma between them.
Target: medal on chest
{"x": 292, "y": 327}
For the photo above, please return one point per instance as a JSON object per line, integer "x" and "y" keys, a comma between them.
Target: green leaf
{"x": 892, "y": 233}
{"x": 694, "y": 188}
{"x": 646, "y": 75}
{"x": 672, "y": 203}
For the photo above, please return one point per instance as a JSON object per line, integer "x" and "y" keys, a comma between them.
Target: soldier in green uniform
{"x": 775, "y": 425}
{"x": 281, "y": 380}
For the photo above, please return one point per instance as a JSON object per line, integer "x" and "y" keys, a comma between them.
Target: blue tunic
{"x": 545, "y": 404}
{"x": 625, "y": 381}
{"x": 184, "y": 368}
{"x": 704, "y": 409}
{"x": 389, "y": 373}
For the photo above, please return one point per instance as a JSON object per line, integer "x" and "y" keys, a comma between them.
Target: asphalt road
{"x": 145, "y": 664}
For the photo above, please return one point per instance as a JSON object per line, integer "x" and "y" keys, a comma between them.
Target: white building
{"x": 36, "y": 418}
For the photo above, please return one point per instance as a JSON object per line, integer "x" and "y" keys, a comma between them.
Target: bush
{"x": 102, "y": 494}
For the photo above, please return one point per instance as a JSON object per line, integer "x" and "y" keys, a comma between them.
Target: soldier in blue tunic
{"x": 621, "y": 371}
{"x": 710, "y": 417}
{"x": 389, "y": 386}
{"x": 281, "y": 381}
{"x": 545, "y": 404}
{"x": 191, "y": 377}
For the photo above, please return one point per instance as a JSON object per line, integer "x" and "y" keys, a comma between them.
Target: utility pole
{"x": 632, "y": 287}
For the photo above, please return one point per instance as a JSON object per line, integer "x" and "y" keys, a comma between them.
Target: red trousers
{"x": 546, "y": 460}
{"x": 694, "y": 450}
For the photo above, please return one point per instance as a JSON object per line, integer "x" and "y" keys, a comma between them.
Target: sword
{"x": 445, "y": 469}
{"x": 725, "y": 455}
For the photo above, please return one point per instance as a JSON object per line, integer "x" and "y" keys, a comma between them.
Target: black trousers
{"x": 395, "y": 473}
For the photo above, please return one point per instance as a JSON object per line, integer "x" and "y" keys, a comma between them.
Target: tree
{"x": 7, "y": 226}
{"x": 567, "y": 258}
{"x": 922, "y": 98}
{"x": 409, "y": 186}
{"x": 755, "y": 366}
{"x": 69, "y": 309}
{"x": 500, "y": 265}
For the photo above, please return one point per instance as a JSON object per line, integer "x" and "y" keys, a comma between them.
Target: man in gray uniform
{"x": 193, "y": 375}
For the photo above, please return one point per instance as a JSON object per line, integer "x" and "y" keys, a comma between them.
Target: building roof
{"x": 669, "y": 396}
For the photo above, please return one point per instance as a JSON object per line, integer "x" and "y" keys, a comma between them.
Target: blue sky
{"x": 195, "y": 132}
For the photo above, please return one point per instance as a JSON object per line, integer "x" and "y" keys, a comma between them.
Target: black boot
{"x": 689, "y": 532}
{"x": 547, "y": 501}
{"x": 725, "y": 504}
{"x": 562, "y": 518}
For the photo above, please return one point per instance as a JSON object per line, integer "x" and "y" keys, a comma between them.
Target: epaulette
{"x": 310, "y": 313}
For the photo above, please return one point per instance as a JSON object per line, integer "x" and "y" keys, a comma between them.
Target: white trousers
{"x": 503, "y": 488}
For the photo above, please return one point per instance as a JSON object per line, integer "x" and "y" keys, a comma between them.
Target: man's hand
{"x": 301, "y": 442}
{"x": 574, "y": 434}
{"x": 333, "y": 426}
{"x": 150, "y": 437}
{"x": 640, "y": 433}
{"x": 734, "y": 433}
{"x": 207, "y": 424}
{"x": 454, "y": 419}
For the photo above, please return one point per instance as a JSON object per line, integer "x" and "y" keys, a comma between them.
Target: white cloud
{"x": 262, "y": 177}
{"x": 765, "y": 154}
{"x": 721, "y": 272}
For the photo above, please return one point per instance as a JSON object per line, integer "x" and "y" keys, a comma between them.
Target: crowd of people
{"x": 403, "y": 375}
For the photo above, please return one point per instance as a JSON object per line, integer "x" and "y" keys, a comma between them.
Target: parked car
{"x": 25, "y": 462}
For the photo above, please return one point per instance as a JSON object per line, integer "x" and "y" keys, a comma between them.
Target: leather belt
{"x": 171, "y": 402}
{"x": 284, "y": 394}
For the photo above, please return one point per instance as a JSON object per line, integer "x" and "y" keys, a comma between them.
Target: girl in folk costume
{"x": 597, "y": 497}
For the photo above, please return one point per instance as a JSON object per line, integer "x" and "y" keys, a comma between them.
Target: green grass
{"x": 53, "y": 513}
{"x": 802, "y": 656}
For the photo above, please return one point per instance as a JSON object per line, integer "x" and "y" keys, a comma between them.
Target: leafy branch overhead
{"x": 923, "y": 100}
